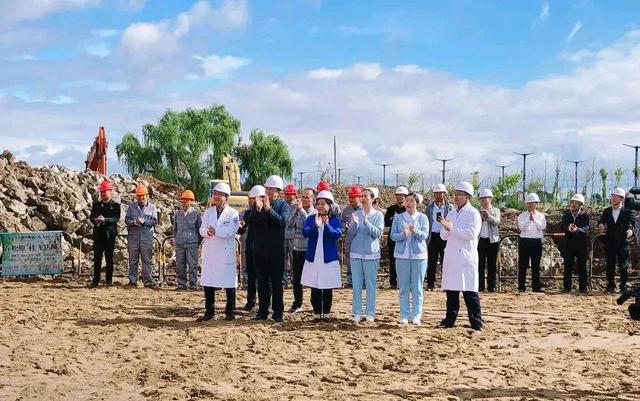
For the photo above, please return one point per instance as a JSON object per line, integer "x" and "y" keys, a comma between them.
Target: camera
{"x": 633, "y": 202}
{"x": 634, "y": 308}
{"x": 438, "y": 216}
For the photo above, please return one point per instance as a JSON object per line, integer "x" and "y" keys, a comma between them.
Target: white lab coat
{"x": 219, "y": 250}
{"x": 460, "y": 264}
{"x": 318, "y": 274}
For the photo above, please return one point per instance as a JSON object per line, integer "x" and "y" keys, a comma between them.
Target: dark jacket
{"x": 269, "y": 230}
{"x": 111, "y": 212}
{"x": 617, "y": 231}
{"x": 246, "y": 217}
{"x": 388, "y": 219}
{"x": 330, "y": 235}
{"x": 578, "y": 240}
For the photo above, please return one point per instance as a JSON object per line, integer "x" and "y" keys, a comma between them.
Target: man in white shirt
{"x": 532, "y": 224}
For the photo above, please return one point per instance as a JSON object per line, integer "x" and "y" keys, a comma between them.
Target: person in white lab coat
{"x": 461, "y": 229}
{"x": 321, "y": 269}
{"x": 220, "y": 223}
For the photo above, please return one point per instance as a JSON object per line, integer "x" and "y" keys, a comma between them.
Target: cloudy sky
{"x": 400, "y": 82}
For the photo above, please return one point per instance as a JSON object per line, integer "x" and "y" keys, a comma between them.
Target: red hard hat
{"x": 323, "y": 186}
{"x": 141, "y": 190}
{"x": 354, "y": 191}
{"x": 290, "y": 189}
{"x": 188, "y": 195}
{"x": 105, "y": 186}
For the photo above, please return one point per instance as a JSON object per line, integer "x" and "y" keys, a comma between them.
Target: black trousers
{"x": 298, "y": 264}
{"x": 393, "y": 277}
{"x": 210, "y": 300}
{"x": 103, "y": 246}
{"x": 488, "y": 257}
{"x": 435, "y": 250}
{"x": 471, "y": 300}
{"x": 270, "y": 271}
{"x": 529, "y": 249}
{"x": 252, "y": 278}
{"x": 579, "y": 256}
{"x": 621, "y": 255}
{"x": 321, "y": 301}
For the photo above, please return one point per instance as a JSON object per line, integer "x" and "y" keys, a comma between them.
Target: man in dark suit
{"x": 617, "y": 222}
{"x": 575, "y": 225}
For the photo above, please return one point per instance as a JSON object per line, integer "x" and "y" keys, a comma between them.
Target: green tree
{"x": 588, "y": 176}
{"x": 264, "y": 156}
{"x": 617, "y": 174}
{"x": 475, "y": 181}
{"x": 504, "y": 186}
{"x": 555, "y": 192}
{"x": 603, "y": 184}
{"x": 413, "y": 179}
{"x": 184, "y": 148}
{"x": 535, "y": 186}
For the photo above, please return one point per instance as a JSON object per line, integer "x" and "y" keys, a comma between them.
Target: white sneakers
{"x": 404, "y": 321}
{"x": 370, "y": 319}
{"x": 357, "y": 319}
{"x": 317, "y": 316}
{"x": 416, "y": 321}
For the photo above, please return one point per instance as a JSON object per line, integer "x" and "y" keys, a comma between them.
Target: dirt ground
{"x": 63, "y": 341}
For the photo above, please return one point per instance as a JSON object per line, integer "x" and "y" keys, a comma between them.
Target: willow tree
{"x": 183, "y": 148}
{"x": 263, "y": 156}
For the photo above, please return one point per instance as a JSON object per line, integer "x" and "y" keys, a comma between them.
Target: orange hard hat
{"x": 141, "y": 190}
{"x": 104, "y": 186}
{"x": 323, "y": 186}
{"x": 354, "y": 191}
{"x": 188, "y": 195}
{"x": 290, "y": 189}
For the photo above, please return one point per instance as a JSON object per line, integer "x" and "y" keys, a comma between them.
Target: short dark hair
{"x": 413, "y": 195}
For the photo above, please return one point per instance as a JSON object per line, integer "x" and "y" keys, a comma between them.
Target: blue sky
{"x": 395, "y": 81}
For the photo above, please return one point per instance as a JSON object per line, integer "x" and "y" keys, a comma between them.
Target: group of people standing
{"x": 301, "y": 229}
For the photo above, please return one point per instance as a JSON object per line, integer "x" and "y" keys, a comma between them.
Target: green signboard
{"x": 31, "y": 253}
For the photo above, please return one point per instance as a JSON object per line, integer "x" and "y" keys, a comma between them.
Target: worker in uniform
{"x": 141, "y": 219}
{"x": 393, "y": 210}
{"x": 575, "y": 226}
{"x": 461, "y": 229}
{"x": 220, "y": 224}
{"x": 489, "y": 241}
{"x": 321, "y": 269}
{"x": 354, "y": 194}
{"x": 437, "y": 210}
{"x": 304, "y": 208}
{"x": 246, "y": 225}
{"x": 105, "y": 215}
{"x": 365, "y": 228}
{"x": 186, "y": 235}
{"x": 290, "y": 197}
{"x": 532, "y": 224}
{"x": 616, "y": 222}
{"x": 270, "y": 218}
{"x": 410, "y": 230}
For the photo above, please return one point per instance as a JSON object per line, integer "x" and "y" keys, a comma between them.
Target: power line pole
{"x": 576, "y": 162}
{"x": 503, "y": 167}
{"x": 384, "y": 172}
{"x": 340, "y": 174}
{"x": 358, "y": 178}
{"x": 635, "y": 166}
{"x": 335, "y": 161}
{"x": 301, "y": 182}
{"x": 524, "y": 171}
{"x": 444, "y": 167}
{"x": 397, "y": 178}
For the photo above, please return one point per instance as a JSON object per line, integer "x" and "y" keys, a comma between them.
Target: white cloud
{"x": 232, "y": 14}
{"x": 408, "y": 69}
{"x": 367, "y": 71}
{"x": 22, "y": 10}
{"x": 220, "y": 67}
{"x": 544, "y": 12}
{"x": 145, "y": 41}
{"x": 105, "y": 33}
{"x": 576, "y": 27}
{"x": 98, "y": 49}
{"x": 130, "y": 5}
{"x": 62, "y": 100}
{"x": 363, "y": 71}
{"x": 324, "y": 73}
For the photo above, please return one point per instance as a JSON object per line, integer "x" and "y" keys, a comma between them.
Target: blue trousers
{"x": 411, "y": 274}
{"x": 364, "y": 271}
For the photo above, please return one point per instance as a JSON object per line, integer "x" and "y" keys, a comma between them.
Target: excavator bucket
{"x": 97, "y": 156}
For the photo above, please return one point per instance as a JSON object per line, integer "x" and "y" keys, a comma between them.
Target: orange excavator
{"x": 97, "y": 156}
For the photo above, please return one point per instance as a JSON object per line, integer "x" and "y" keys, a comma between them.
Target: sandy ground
{"x": 62, "y": 341}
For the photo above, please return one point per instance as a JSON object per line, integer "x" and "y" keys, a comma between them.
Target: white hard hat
{"x": 618, "y": 191}
{"x": 326, "y": 195}
{"x": 439, "y": 188}
{"x": 374, "y": 191}
{"x": 532, "y": 197}
{"x": 402, "y": 190}
{"x": 578, "y": 198}
{"x": 464, "y": 187}
{"x": 274, "y": 181}
{"x": 257, "y": 190}
{"x": 222, "y": 187}
{"x": 420, "y": 198}
{"x": 485, "y": 193}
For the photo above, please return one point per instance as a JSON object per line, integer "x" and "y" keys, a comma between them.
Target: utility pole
{"x": 397, "y": 178}
{"x": 340, "y": 174}
{"x": 358, "y": 178}
{"x": 524, "y": 171}
{"x": 384, "y": 172}
{"x": 444, "y": 167}
{"x": 422, "y": 182}
{"x": 635, "y": 166}
{"x": 576, "y": 162}
{"x": 335, "y": 161}
{"x": 301, "y": 182}
{"x": 503, "y": 167}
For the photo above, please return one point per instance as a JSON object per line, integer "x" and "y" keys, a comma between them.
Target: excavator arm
{"x": 97, "y": 156}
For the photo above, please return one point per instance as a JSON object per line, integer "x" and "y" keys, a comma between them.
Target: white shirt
{"x": 532, "y": 229}
{"x": 435, "y": 224}
{"x": 615, "y": 211}
{"x": 484, "y": 230}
